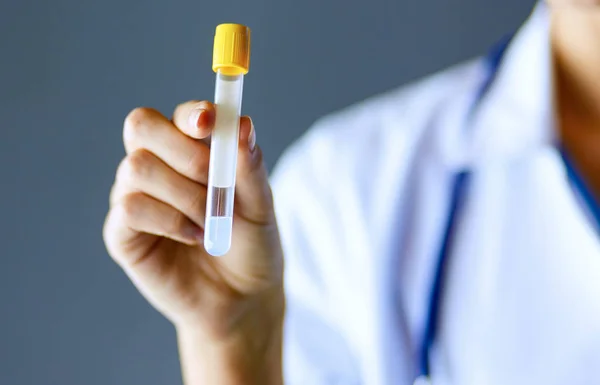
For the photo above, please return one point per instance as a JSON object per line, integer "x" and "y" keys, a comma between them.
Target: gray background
{"x": 70, "y": 70}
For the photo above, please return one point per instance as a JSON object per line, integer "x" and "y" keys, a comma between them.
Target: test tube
{"x": 231, "y": 59}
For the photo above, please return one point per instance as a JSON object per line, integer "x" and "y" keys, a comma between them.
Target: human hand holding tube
{"x": 228, "y": 310}
{"x": 225, "y": 305}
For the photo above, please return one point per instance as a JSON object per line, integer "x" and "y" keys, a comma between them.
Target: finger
{"x": 194, "y": 118}
{"x": 143, "y": 171}
{"x": 146, "y": 128}
{"x": 132, "y": 224}
{"x": 254, "y": 200}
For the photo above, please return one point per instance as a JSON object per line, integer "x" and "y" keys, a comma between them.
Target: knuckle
{"x": 108, "y": 236}
{"x": 121, "y": 171}
{"x": 138, "y": 165}
{"x": 131, "y": 205}
{"x": 107, "y": 233}
{"x": 137, "y": 121}
{"x": 113, "y": 197}
{"x": 112, "y": 239}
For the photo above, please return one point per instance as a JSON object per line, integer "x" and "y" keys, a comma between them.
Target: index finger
{"x": 195, "y": 118}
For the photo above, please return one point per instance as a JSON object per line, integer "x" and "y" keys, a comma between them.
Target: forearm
{"x": 242, "y": 359}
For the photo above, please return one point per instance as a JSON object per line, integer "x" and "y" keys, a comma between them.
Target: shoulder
{"x": 337, "y": 181}
{"x": 383, "y": 130}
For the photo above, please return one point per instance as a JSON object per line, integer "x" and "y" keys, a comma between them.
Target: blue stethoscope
{"x": 459, "y": 191}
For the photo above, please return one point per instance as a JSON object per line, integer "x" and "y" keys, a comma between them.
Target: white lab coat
{"x": 362, "y": 202}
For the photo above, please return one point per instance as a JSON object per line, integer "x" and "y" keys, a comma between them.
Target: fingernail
{"x": 251, "y": 137}
{"x": 194, "y": 117}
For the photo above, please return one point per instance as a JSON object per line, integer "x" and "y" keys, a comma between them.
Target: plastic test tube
{"x": 231, "y": 59}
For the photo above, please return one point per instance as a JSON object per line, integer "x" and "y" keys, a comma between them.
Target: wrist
{"x": 236, "y": 361}
{"x": 251, "y": 353}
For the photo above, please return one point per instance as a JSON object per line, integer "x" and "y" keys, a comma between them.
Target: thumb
{"x": 254, "y": 198}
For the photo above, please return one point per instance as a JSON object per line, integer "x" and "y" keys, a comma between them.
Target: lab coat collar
{"x": 516, "y": 113}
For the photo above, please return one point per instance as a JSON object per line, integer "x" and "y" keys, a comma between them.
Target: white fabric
{"x": 362, "y": 201}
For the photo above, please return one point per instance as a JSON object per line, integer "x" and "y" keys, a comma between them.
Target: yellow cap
{"x": 231, "y": 54}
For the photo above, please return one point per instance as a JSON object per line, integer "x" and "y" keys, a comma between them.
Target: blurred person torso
{"x": 363, "y": 203}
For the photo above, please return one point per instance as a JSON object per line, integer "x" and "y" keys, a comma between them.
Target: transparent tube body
{"x": 223, "y": 163}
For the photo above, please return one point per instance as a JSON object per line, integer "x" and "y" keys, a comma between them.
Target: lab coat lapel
{"x": 524, "y": 276}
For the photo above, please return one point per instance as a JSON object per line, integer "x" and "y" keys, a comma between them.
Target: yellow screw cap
{"x": 231, "y": 54}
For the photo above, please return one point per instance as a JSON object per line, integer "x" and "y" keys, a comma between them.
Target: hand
{"x": 228, "y": 311}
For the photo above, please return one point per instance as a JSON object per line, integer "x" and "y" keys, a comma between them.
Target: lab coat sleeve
{"x": 316, "y": 349}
